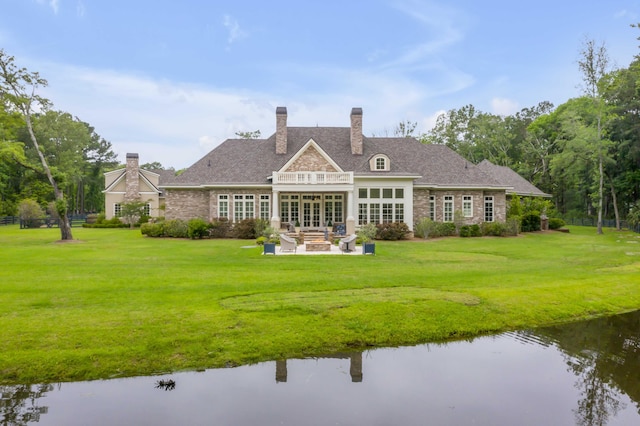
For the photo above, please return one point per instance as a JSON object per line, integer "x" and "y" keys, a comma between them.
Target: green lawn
{"x": 116, "y": 303}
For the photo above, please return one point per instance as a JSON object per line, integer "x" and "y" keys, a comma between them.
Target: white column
{"x": 275, "y": 209}
{"x": 351, "y": 221}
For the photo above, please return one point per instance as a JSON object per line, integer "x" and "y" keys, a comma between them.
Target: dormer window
{"x": 379, "y": 163}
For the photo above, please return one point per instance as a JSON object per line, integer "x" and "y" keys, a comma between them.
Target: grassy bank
{"x": 116, "y": 303}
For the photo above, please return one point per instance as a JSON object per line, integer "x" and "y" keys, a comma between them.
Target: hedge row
{"x": 246, "y": 229}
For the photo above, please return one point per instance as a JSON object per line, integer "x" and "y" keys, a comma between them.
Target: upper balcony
{"x": 312, "y": 178}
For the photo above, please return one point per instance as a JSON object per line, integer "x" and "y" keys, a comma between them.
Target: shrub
{"x": 475, "y": 231}
{"x": 445, "y": 229}
{"x": 530, "y": 222}
{"x": 514, "y": 209}
{"x": 197, "y": 228}
{"x": 260, "y": 226}
{"x": 556, "y": 223}
{"x": 465, "y": 231}
{"x": 220, "y": 228}
{"x": 494, "y": 229}
{"x": 245, "y": 229}
{"x": 513, "y": 226}
{"x": 176, "y": 228}
{"x": 392, "y": 231}
{"x": 152, "y": 229}
{"x": 111, "y": 223}
{"x": 424, "y": 228}
{"x": 30, "y": 213}
{"x": 261, "y": 240}
{"x": 367, "y": 232}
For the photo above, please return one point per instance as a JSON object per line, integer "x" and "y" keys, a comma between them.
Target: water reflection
{"x": 584, "y": 373}
{"x": 604, "y": 355}
{"x": 355, "y": 366}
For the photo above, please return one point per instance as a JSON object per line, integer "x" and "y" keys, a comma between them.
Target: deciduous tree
{"x": 18, "y": 87}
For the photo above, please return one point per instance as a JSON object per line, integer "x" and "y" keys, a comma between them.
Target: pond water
{"x": 585, "y": 373}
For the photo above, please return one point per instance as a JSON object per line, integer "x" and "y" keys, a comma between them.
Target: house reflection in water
{"x": 355, "y": 369}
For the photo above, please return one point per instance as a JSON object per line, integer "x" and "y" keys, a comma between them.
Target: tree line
{"x": 585, "y": 152}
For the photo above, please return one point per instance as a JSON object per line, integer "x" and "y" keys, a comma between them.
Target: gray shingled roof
{"x": 508, "y": 177}
{"x": 252, "y": 161}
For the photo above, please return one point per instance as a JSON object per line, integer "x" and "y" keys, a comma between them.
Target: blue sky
{"x": 170, "y": 80}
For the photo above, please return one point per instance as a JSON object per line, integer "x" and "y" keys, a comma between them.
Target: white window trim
{"x": 223, "y": 198}
{"x": 470, "y": 201}
{"x": 373, "y": 163}
{"x": 447, "y": 200}
{"x": 490, "y": 199}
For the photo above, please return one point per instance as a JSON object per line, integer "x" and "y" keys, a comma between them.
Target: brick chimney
{"x": 132, "y": 190}
{"x": 356, "y": 131}
{"x": 281, "y": 130}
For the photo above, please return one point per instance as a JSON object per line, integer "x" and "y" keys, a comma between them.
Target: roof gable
{"x": 311, "y": 157}
{"x": 147, "y": 181}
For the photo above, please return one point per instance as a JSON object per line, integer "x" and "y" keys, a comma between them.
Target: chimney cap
{"x": 281, "y": 110}
{"x": 356, "y": 111}
{"x": 132, "y": 155}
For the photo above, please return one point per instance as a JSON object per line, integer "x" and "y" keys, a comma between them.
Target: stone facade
{"x": 357, "y": 139}
{"x": 187, "y": 204}
{"x": 311, "y": 160}
{"x": 203, "y": 203}
{"x": 281, "y": 130}
{"x": 132, "y": 191}
{"x": 422, "y": 207}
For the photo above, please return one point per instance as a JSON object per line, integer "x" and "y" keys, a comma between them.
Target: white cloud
{"x": 429, "y": 122}
{"x": 80, "y": 9}
{"x": 54, "y": 4}
{"x": 233, "y": 28}
{"x": 503, "y": 106}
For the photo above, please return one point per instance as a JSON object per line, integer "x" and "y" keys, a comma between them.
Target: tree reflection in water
{"x": 604, "y": 354}
{"x": 19, "y": 404}
{"x": 602, "y": 359}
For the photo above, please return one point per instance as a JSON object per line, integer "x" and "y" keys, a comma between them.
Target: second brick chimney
{"x": 356, "y": 131}
{"x": 281, "y": 130}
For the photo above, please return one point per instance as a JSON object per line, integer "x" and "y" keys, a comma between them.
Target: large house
{"x": 323, "y": 176}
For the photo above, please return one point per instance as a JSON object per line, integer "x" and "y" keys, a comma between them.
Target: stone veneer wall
{"x": 132, "y": 178}
{"x": 421, "y": 204}
{"x": 186, "y": 204}
{"x": 311, "y": 160}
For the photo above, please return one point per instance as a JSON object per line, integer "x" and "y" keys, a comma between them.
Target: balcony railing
{"x": 312, "y": 178}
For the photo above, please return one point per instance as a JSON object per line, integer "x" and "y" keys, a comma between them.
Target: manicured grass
{"x": 116, "y": 303}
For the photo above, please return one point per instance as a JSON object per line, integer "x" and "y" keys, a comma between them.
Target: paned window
{"x": 223, "y": 205}
{"x": 372, "y": 211}
{"x": 447, "y": 208}
{"x": 387, "y": 212}
{"x": 399, "y": 212}
{"x": 117, "y": 210}
{"x": 363, "y": 216}
{"x": 146, "y": 210}
{"x": 488, "y": 209}
{"x": 467, "y": 205}
{"x": 243, "y": 207}
{"x": 432, "y": 207}
{"x": 289, "y": 208}
{"x": 265, "y": 207}
{"x": 381, "y": 163}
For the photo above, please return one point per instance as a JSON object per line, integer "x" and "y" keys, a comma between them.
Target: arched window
{"x": 379, "y": 163}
